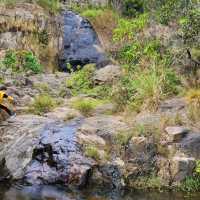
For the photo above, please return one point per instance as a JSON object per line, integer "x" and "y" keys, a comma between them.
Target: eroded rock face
{"x": 18, "y": 136}
{"x": 57, "y": 158}
{"x": 81, "y": 45}
{"x": 140, "y": 157}
{"x": 42, "y": 151}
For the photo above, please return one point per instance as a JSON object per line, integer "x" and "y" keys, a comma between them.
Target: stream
{"x": 18, "y": 192}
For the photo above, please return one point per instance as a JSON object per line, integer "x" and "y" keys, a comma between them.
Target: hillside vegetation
{"x": 156, "y": 42}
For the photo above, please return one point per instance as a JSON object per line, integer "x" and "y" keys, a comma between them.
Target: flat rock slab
{"x": 176, "y": 133}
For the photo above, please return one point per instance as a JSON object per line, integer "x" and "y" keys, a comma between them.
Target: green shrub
{"x": 31, "y": 63}
{"x": 92, "y": 152}
{"x": 191, "y": 184}
{"x": 92, "y": 13}
{"x": 42, "y": 104}
{"x": 190, "y": 24}
{"x": 146, "y": 88}
{"x": 127, "y": 28}
{"x": 131, "y": 8}
{"x": 22, "y": 61}
{"x": 10, "y": 60}
{"x": 81, "y": 80}
{"x": 172, "y": 10}
{"x": 86, "y": 106}
{"x": 130, "y": 53}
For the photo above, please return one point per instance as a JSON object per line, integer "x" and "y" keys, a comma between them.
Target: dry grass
{"x": 104, "y": 23}
{"x": 193, "y": 100}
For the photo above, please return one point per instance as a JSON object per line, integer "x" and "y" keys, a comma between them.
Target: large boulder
{"x": 41, "y": 150}
{"x": 107, "y": 74}
{"x": 81, "y": 45}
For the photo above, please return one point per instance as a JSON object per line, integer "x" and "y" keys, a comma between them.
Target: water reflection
{"x": 59, "y": 193}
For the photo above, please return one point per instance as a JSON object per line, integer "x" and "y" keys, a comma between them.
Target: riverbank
{"x": 119, "y": 121}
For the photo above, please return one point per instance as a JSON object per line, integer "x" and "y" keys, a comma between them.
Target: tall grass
{"x": 52, "y": 6}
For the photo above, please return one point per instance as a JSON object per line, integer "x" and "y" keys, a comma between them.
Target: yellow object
{"x": 4, "y": 96}
{"x": 5, "y": 100}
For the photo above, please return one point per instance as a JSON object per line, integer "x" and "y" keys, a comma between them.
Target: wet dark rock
{"x": 108, "y": 174}
{"x": 191, "y": 145}
{"x": 140, "y": 157}
{"x": 57, "y": 158}
{"x": 81, "y": 45}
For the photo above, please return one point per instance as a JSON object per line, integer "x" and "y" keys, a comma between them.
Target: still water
{"x": 58, "y": 193}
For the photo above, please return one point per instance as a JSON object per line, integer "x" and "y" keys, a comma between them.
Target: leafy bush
{"x": 126, "y": 29}
{"x": 42, "y": 104}
{"x": 31, "y": 62}
{"x": 146, "y": 88}
{"x": 191, "y": 184}
{"x": 10, "y": 60}
{"x": 22, "y": 61}
{"x": 131, "y": 8}
{"x": 190, "y": 24}
{"x": 81, "y": 80}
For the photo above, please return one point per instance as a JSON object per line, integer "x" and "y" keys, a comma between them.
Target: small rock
{"x": 107, "y": 74}
{"x": 176, "y": 133}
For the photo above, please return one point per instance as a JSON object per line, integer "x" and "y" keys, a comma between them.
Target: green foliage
{"x": 31, "y": 63}
{"x": 92, "y": 152}
{"x": 91, "y": 13}
{"x": 81, "y": 80}
{"x": 86, "y": 106}
{"x": 171, "y": 10}
{"x": 148, "y": 78}
{"x": 191, "y": 184}
{"x": 126, "y": 29}
{"x": 148, "y": 87}
{"x": 10, "y": 60}
{"x": 122, "y": 138}
{"x": 131, "y": 8}
{"x": 130, "y": 53}
{"x": 197, "y": 169}
{"x": 42, "y": 104}
{"x": 22, "y": 61}
{"x": 190, "y": 24}
{"x": 8, "y": 2}
{"x": 52, "y": 6}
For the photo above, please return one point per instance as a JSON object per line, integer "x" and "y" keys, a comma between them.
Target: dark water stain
{"x": 57, "y": 157}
